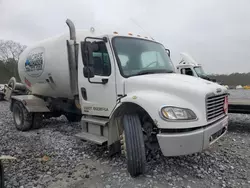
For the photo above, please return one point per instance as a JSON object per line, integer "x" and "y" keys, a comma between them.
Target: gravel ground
{"x": 52, "y": 157}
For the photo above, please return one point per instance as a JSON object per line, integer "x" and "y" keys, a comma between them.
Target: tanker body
{"x": 44, "y": 68}
{"x": 123, "y": 89}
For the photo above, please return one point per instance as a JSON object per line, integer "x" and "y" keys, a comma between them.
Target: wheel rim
{"x": 123, "y": 144}
{"x": 18, "y": 116}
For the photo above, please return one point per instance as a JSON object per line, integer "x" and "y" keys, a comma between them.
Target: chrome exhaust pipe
{"x": 72, "y": 30}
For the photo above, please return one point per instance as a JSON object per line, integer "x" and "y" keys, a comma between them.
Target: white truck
{"x": 125, "y": 91}
{"x": 189, "y": 66}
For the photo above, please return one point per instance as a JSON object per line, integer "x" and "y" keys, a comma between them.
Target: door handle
{"x": 105, "y": 80}
{"x": 84, "y": 93}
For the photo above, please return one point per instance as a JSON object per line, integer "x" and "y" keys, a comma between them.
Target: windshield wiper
{"x": 153, "y": 71}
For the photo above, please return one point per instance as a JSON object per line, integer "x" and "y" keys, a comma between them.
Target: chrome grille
{"x": 215, "y": 106}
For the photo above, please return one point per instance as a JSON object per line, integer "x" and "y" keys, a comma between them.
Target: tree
{"x": 10, "y": 50}
{"x": 9, "y": 55}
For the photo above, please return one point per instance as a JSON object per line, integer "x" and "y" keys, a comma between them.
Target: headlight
{"x": 175, "y": 113}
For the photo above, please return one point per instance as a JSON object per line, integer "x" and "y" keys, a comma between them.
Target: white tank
{"x": 44, "y": 68}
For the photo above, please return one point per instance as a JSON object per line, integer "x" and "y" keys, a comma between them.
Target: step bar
{"x": 95, "y": 120}
{"x": 100, "y": 140}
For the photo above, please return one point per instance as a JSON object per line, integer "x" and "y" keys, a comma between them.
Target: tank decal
{"x": 34, "y": 64}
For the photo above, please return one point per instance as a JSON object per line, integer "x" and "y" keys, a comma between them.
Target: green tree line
{"x": 9, "y": 56}
{"x": 233, "y": 79}
{"x": 8, "y": 70}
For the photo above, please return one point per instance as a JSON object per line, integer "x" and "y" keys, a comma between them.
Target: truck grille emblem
{"x": 218, "y": 90}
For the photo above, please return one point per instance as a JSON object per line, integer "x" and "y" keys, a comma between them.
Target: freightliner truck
{"x": 124, "y": 89}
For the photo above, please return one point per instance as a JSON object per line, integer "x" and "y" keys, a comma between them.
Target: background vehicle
{"x": 190, "y": 67}
{"x": 124, "y": 89}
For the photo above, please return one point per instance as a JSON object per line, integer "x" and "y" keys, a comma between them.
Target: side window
{"x": 102, "y": 66}
{"x": 151, "y": 59}
{"x": 187, "y": 71}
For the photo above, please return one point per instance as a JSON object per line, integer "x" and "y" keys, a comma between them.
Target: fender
{"x": 31, "y": 103}
{"x": 152, "y": 101}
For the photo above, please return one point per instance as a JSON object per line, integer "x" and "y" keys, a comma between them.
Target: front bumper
{"x": 176, "y": 144}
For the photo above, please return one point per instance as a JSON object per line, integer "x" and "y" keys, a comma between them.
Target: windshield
{"x": 139, "y": 56}
{"x": 200, "y": 72}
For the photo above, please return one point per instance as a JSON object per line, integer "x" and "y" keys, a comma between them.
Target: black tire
{"x": 1, "y": 97}
{"x": 135, "y": 147}
{"x": 37, "y": 120}
{"x": 22, "y": 118}
{"x": 71, "y": 117}
{"x": 1, "y": 175}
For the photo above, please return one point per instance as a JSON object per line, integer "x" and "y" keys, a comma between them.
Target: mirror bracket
{"x": 168, "y": 52}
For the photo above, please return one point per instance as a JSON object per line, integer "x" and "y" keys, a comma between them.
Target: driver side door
{"x": 98, "y": 93}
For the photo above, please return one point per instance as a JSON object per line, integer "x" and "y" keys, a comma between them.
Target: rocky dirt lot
{"x": 52, "y": 157}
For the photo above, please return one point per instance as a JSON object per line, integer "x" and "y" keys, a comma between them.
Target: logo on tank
{"x": 34, "y": 64}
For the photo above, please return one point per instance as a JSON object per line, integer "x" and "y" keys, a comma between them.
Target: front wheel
{"x": 133, "y": 145}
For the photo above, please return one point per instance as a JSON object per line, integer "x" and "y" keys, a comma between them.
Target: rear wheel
{"x": 22, "y": 118}
{"x": 71, "y": 117}
{"x": 133, "y": 145}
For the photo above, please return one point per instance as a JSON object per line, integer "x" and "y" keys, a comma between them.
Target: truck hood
{"x": 184, "y": 86}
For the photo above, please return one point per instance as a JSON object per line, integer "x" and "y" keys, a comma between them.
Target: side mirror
{"x": 87, "y": 57}
{"x": 88, "y": 72}
{"x": 86, "y": 48}
{"x": 168, "y": 52}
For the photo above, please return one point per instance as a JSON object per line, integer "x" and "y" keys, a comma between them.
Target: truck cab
{"x": 189, "y": 66}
